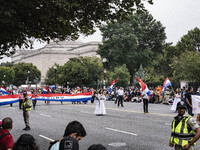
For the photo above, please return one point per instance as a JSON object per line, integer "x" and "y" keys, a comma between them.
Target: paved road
{"x": 123, "y": 128}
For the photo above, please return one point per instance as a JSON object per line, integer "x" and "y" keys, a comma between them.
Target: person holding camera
{"x": 26, "y": 105}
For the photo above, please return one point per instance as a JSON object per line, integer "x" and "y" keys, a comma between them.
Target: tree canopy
{"x": 133, "y": 42}
{"x": 56, "y": 19}
{"x": 24, "y": 71}
{"x": 7, "y": 75}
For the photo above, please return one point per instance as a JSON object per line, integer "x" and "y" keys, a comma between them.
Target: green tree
{"x": 190, "y": 41}
{"x": 54, "y": 75}
{"x": 133, "y": 42}
{"x": 122, "y": 73}
{"x": 83, "y": 71}
{"x": 56, "y": 19}
{"x": 187, "y": 66}
{"x": 7, "y": 75}
{"x": 24, "y": 71}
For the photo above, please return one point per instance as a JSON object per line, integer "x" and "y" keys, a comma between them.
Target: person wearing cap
{"x": 185, "y": 130}
{"x": 26, "y": 105}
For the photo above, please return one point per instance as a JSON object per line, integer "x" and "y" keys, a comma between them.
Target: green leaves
{"x": 60, "y": 19}
{"x": 132, "y": 42}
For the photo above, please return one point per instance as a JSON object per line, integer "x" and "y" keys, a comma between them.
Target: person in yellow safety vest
{"x": 26, "y": 107}
{"x": 185, "y": 130}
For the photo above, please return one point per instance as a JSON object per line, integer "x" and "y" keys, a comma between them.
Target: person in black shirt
{"x": 188, "y": 100}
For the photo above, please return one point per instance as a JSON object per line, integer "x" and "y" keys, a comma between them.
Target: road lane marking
{"x": 121, "y": 131}
{"x": 11, "y": 107}
{"x": 45, "y": 115}
{"x": 131, "y": 111}
{"x": 46, "y": 138}
{"x": 86, "y": 112}
{"x": 168, "y": 124}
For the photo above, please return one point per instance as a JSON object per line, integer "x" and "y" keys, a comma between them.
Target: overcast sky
{"x": 178, "y": 16}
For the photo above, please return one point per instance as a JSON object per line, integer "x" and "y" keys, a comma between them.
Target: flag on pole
{"x": 143, "y": 86}
{"x": 166, "y": 84}
{"x": 112, "y": 84}
{"x": 4, "y": 91}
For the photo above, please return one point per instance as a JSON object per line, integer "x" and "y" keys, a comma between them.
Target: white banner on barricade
{"x": 196, "y": 104}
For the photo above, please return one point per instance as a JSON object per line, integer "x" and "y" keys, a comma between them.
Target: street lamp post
{"x": 104, "y": 71}
{"x": 5, "y": 80}
{"x": 28, "y": 78}
{"x": 55, "y": 68}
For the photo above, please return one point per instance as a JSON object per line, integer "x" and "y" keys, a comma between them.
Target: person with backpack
{"x": 6, "y": 139}
{"x": 26, "y": 108}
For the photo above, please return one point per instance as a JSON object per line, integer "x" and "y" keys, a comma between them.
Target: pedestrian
{"x": 21, "y": 98}
{"x": 96, "y": 147}
{"x": 145, "y": 101}
{"x": 120, "y": 97}
{"x": 177, "y": 98}
{"x": 26, "y": 142}
{"x": 34, "y": 98}
{"x": 188, "y": 100}
{"x": 100, "y": 106}
{"x": 185, "y": 130}
{"x": 74, "y": 132}
{"x": 6, "y": 139}
{"x": 26, "y": 108}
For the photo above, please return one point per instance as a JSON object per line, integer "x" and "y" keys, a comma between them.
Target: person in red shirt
{"x": 6, "y": 139}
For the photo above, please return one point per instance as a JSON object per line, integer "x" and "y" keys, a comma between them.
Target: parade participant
{"x": 188, "y": 100}
{"x": 26, "y": 107}
{"x": 74, "y": 132}
{"x": 145, "y": 101}
{"x": 185, "y": 130}
{"x": 25, "y": 142}
{"x": 33, "y": 97}
{"x": 177, "y": 98}
{"x": 100, "y": 106}
{"x": 21, "y": 98}
{"x": 6, "y": 139}
{"x": 120, "y": 93}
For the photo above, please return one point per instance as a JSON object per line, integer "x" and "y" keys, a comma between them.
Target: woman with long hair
{"x": 100, "y": 106}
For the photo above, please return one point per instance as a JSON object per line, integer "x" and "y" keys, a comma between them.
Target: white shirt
{"x": 144, "y": 94}
{"x": 120, "y": 92}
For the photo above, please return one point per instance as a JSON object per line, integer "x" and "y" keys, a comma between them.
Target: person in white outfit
{"x": 100, "y": 106}
{"x": 177, "y": 98}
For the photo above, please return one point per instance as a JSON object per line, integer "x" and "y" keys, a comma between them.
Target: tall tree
{"x": 133, "y": 42}
{"x": 56, "y": 19}
{"x": 24, "y": 71}
{"x": 187, "y": 66}
{"x": 7, "y": 75}
{"x": 83, "y": 71}
{"x": 190, "y": 41}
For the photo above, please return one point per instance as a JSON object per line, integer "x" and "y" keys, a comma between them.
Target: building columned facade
{"x": 55, "y": 52}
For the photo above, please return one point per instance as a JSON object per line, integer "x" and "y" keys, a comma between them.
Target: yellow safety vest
{"x": 181, "y": 134}
{"x": 29, "y": 104}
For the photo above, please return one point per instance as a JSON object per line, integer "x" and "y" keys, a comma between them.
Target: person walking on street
{"x": 188, "y": 100}
{"x": 34, "y": 99}
{"x": 185, "y": 130}
{"x": 145, "y": 101}
{"x": 6, "y": 139}
{"x": 21, "y": 98}
{"x": 26, "y": 108}
{"x": 120, "y": 93}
